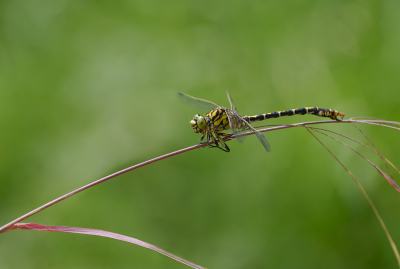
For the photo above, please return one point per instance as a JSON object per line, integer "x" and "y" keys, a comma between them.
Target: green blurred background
{"x": 89, "y": 87}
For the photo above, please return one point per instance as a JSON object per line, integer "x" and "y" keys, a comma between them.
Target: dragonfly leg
{"x": 211, "y": 137}
{"x": 216, "y": 139}
{"x": 224, "y": 146}
{"x": 201, "y": 140}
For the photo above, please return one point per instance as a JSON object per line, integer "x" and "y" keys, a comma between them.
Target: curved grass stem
{"x": 15, "y": 223}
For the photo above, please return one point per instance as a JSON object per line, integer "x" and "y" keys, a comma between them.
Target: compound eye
{"x": 201, "y": 123}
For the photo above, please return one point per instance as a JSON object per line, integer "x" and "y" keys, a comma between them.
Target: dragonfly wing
{"x": 197, "y": 102}
{"x": 260, "y": 137}
{"x": 235, "y": 120}
{"x": 233, "y": 108}
{"x": 236, "y": 124}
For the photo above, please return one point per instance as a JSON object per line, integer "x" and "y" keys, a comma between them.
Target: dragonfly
{"x": 219, "y": 119}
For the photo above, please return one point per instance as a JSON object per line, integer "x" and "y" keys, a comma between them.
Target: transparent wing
{"x": 239, "y": 125}
{"x": 233, "y": 108}
{"x": 197, "y": 102}
{"x": 235, "y": 120}
{"x": 260, "y": 136}
{"x": 236, "y": 124}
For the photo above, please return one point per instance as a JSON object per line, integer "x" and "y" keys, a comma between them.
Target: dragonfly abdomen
{"x": 318, "y": 111}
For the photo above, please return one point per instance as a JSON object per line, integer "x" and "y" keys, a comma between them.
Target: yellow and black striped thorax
{"x": 215, "y": 121}
{"x": 318, "y": 111}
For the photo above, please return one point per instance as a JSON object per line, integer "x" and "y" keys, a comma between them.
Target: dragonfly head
{"x": 198, "y": 123}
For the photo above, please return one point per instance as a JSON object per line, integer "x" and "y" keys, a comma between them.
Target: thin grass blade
{"x": 388, "y": 179}
{"x": 66, "y": 229}
{"x": 392, "y": 244}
